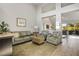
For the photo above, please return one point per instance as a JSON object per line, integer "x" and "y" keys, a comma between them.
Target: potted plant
{"x": 3, "y": 27}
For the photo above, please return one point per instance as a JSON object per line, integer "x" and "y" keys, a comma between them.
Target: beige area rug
{"x": 31, "y": 49}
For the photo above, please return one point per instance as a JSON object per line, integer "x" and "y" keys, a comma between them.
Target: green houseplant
{"x": 3, "y": 27}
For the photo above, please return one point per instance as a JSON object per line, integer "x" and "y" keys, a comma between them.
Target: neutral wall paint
{"x": 56, "y": 12}
{"x": 69, "y": 8}
{"x": 39, "y": 19}
{"x": 9, "y": 13}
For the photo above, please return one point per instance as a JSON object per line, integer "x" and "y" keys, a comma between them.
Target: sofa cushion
{"x": 16, "y": 35}
{"x": 24, "y": 33}
{"x": 24, "y": 38}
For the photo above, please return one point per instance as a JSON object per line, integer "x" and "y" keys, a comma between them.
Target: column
{"x": 58, "y": 17}
{"x": 58, "y": 22}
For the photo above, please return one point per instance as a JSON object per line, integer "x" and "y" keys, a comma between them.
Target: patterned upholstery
{"x": 39, "y": 39}
{"x": 54, "y": 38}
{"x": 22, "y": 36}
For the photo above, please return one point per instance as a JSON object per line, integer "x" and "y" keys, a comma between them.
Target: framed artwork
{"x": 21, "y": 22}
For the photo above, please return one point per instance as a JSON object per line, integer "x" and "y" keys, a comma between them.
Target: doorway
{"x": 49, "y": 22}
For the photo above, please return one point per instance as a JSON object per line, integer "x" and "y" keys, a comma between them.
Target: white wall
{"x": 46, "y": 21}
{"x": 56, "y": 12}
{"x": 39, "y": 19}
{"x": 9, "y": 13}
{"x": 69, "y": 8}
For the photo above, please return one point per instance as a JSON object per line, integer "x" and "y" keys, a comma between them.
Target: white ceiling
{"x": 51, "y": 18}
{"x": 37, "y": 4}
{"x": 62, "y": 4}
{"x": 70, "y": 17}
{"x": 48, "y": 7}
{"x": 65, "y": 4}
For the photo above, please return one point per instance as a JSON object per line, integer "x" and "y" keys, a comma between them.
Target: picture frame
{"x": 21, "y": 22}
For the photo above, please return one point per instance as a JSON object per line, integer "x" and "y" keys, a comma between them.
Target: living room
{"x": 34, "y": 29}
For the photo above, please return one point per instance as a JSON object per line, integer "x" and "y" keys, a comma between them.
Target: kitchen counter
{"x": 6, "y": 44}
{"x": 6, "y": 35}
